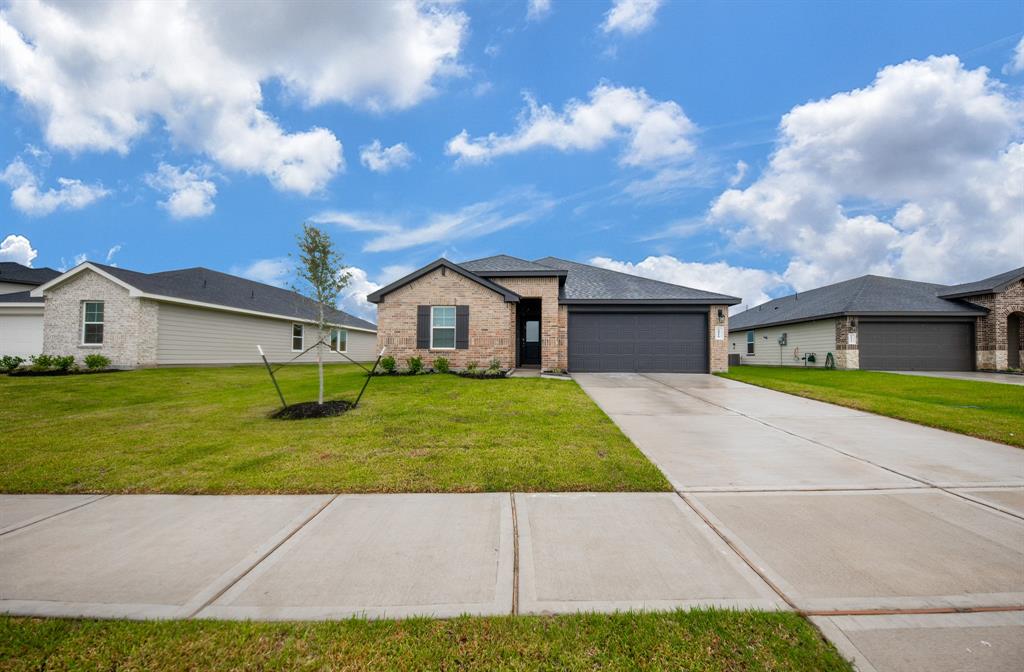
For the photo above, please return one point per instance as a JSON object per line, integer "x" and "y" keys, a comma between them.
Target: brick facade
{"x": 847, "y": 355}
{"x": 718, "y": 349}
{"x": 553, "y": 348}
{"x": 491, "y": 320}
{"x": 129, "y": 323}
{"x": 992, "y": 348}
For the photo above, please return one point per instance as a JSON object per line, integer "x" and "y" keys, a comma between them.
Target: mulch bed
{"x": 27, "y": 373}
{"x": 311, "y": 409}
{"x": 481, "y": 375}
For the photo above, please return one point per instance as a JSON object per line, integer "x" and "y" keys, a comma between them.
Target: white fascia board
{"x": 38, "y": 291}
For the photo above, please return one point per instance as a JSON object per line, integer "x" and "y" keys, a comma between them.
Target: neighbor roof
{"x": 590, "y": 284}
{"x": 20, "y": 297}
{"x": 25, "y": 275}
{"x": 993, "y": 285}
{"x": 203, "y": 285}
{"x": 866, "y": 295}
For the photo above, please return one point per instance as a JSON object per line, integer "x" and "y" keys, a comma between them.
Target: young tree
{"x": 321, "y": 276}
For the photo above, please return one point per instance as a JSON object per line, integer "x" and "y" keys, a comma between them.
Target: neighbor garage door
{"x": 21, "y": 335}
{"x": 651, "y": 342}
{"x": 917, "y": 346}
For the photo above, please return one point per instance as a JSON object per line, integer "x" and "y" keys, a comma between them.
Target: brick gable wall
{"x": 992, "y": 349}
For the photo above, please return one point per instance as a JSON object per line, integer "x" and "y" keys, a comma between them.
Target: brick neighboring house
{"x": 186, "y": 317}
{"x": 550, "y": 314}
{"x": 879, "y": 323}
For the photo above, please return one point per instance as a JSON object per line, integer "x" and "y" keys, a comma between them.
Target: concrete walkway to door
{"x": 904, "y": 543}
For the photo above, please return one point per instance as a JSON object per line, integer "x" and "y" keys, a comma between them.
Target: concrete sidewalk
{"x": 846, "y": 513}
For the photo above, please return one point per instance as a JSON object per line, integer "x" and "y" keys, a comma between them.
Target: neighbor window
{"x": 442, "y": 327}
{"x": 339, "y": 340}
{"x": 92, "y": 323}
{"x": 750, "y": 342}
{"x": 296, "y": 337}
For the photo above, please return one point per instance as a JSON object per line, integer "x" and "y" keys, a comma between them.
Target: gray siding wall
{"x": 11, "y": 287}
{"x": 188, "y": 335}
{"x": 818, "y": 337}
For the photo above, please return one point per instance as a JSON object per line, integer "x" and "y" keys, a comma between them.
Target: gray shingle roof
{"x": 502, "y": 263}
{"x": 866, "y": 295}
{"x": 25, "y": 275}
{"x": 995, "y": 284}
{"x": 20, "y": 297}
{"x": 209, "y": 286}
{"x": 586, "y": 283}
{"x": 507, "y": 294}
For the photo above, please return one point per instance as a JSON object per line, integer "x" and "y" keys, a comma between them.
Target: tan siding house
{"x": 188, "y": 317}
{"x": 817, "y": 337}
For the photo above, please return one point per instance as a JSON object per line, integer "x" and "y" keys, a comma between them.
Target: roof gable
{"x": 508, "y": 295}
{"x": 993, "y": 285}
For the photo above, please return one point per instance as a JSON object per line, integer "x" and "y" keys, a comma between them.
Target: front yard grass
{"x": 700, "y": 640}
{"x": 992, "y": 411}
{"x": 206, "y": 430}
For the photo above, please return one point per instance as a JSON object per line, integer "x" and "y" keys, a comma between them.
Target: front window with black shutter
{"x": 442, "y": 327}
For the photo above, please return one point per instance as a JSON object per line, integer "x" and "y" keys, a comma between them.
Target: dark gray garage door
{"x": 917, "y": 346}
{"x": 650, "y": 342}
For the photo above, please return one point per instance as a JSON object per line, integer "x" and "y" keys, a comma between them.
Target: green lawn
{"x": 695, "y": 641}
{"x": 991, "y": 411}
{"x": 206, "y": 430}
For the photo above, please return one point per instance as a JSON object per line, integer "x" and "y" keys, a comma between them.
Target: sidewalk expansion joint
{"x": 260, "y": 559}
{"x": 922, "y": 481}
{"x": 515, "y": 555}
{"x": 53, "y": 515}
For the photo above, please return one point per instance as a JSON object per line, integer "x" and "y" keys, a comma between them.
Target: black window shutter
{"x": 423, "y": 327}
{"x": 461, "y": 327}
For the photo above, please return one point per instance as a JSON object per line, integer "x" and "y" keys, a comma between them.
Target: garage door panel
{"x": 21, "y": 335}
{"x": 645, "y": 342}
{"x": 917, "y": 346}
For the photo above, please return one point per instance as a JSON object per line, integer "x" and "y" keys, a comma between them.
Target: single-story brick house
{"x": 21, "y": 315}
{"x": 187, "y": 316}
{"x": 880, "y": 323}
{"x": 551, "y": 314}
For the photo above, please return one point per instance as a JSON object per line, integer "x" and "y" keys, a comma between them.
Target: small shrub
{"x": 64, "y": 363}
{"x": 472, "y": 366}
{"x": 415, "y": 364}
{"x": 9, "y": 363}
{"x": 495, "y": 366}
{"x": 41, "y": 362}
{"x": 95, "y": 362}
{"x": 388, "y": 364}
{"x": 441, "y": 365}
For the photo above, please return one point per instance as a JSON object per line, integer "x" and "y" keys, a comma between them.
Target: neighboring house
{"x": 21, "y": 315}
{"x": 188, "y": 316}
{"x": 880, "y": 323}
{"x": 552, "y": 314}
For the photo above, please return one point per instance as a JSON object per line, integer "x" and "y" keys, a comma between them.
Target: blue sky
{"x": 752, "y": 148}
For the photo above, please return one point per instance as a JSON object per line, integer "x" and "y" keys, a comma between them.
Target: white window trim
{"x": 82, "y": 342}
{"x": 339, "y": 330}
{"x": 454, "y": 328}
{"x": 302, "y": 336}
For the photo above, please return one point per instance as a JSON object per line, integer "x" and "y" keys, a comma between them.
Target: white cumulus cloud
{"x": 752, "y": 285}
{"x": 189, "y": 192}
{"x": 741, "y": 172}
{"x": 28, "y": 197}
{"x": 274, "y": 271}
{"x": 17, "y": 249}
{"x": 382, "y": 159}
{"x": 655, "y": 131}
{"x": 918, "y": 174}
{"x": 630, "y": 17}
{"x": 537, "y": 9}
{"x": 1016, "y": 64}
{"x": 101, "y": 75}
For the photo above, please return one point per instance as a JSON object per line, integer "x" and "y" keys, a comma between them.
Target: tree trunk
{"x": 320, "y": 357}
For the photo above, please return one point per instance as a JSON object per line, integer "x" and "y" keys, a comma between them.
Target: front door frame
{"x": 528, "y": 310}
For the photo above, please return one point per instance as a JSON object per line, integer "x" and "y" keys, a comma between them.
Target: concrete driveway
{"x": 905, "y": 543}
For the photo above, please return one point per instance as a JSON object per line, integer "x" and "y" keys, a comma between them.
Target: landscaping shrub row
{"x": 414, "y": 367}
{"x": 53, "y": 365}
